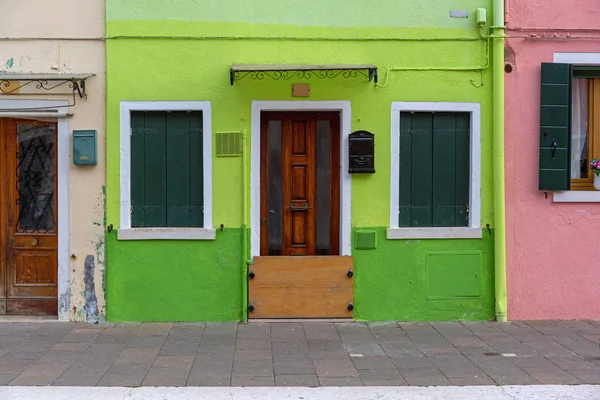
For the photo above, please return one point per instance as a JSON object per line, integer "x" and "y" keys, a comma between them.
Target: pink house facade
{"x": 552, "y": 132}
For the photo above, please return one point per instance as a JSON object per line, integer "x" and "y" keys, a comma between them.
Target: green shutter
{"x": 196, "y": 170}
{"x": 555, "y": 127}
{"x": 463, "y": 168}
{"x": 166, "y": 169}
{"x": 178, "y": 169}
{"x": 422, "y": 169}
{"x": 405, "y": 173}
{"x": 138, "y": 219}
{"x": 444, "y": 169}
{"x": 155, "y": 169}
{"x": 434, "y": 169}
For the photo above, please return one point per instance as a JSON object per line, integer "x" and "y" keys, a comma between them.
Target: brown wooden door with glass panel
{"x": 28, "y": 217}
{"x": 300, "y": 175}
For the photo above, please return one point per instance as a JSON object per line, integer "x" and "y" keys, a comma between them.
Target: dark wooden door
{"x": 29, "y": 260}
{"x": 300, "y": 170}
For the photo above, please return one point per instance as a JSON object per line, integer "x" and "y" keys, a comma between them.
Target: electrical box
{"x": 481, "y": 16}
{"x": 84, "y": 148}
{"x": 362, "y": 153}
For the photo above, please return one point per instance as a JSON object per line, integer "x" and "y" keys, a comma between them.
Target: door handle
{"x": 11, "y": 242}
{"x": 302, "y": 208}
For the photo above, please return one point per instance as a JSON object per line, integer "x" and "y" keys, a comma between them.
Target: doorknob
{"x": 11, "y": 242}
{"x": 34, "y": 242}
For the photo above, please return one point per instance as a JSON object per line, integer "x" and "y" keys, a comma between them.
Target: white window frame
{"x": 577, "y": 196}
{"x": 125, "y": 231}
{"x": 473, "y": 230}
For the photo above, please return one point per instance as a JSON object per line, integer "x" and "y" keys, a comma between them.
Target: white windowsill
{"x": 577, "y": 196}
{"x": 166, "y": 234}
{"x": 434, "y": 233}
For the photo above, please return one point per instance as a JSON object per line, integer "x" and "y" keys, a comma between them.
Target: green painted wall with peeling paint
{"x": 175, "y": 280}
{"x": 391, "y": 282}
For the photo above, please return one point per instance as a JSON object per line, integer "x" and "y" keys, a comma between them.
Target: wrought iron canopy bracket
{"x": 13, "y": 83}
{"x": 287, "y": 72}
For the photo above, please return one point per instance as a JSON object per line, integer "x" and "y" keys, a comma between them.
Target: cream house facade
{"x": 52, "y": 199}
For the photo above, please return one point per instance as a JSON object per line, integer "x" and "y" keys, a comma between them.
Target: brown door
{"x": 299, "y": 273}
{"x": 300, "y": 170}
{"x": 28, "y": 216}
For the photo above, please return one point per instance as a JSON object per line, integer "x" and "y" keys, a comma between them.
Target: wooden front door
{"x": 28, "y": 217}
{"x": 300, "y": 184}
{"x": 299, "y": 273}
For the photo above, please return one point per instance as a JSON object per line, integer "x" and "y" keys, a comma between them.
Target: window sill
{"x": 577, "y": 196}
{"x": 166, "y": 234}
{"x": 434, "y": 233}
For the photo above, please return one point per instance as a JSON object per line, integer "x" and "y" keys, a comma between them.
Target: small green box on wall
{"x": 84, "y": 148}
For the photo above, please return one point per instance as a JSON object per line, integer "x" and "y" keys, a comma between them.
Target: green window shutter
{"x": 166, "y": 169}
{"x": 434, "y": 169}
{"x": 405, "y": 165}
{"x": 555, "y": 127}
{"x": 463, "y": 168}
{"x": 155, "y": 169}
{"x": 138, "y": 211}
{"x": 196, "y": 150}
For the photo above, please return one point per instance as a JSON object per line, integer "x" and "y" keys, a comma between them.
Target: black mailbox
{"x": 362, "y": 153}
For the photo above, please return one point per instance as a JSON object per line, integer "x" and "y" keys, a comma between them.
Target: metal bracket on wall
{"x": 14, "y": 83}
{"x": 301, "y": 71}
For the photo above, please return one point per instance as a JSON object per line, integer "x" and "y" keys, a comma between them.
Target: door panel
{"x": 31, "y": 259}
{"x": 298, "y": 182}
{"x": 300, "y": 169}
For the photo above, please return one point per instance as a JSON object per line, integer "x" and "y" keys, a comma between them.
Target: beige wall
{"x": 65, "y": 36}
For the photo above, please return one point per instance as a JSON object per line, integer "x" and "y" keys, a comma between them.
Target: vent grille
{"x": 229, "y": 144}
{"x": 366, "y": 240}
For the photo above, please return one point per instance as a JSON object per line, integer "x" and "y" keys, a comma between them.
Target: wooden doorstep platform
{"x": 301, "y": 287}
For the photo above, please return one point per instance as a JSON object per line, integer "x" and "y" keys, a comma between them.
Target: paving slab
{"x": 304, "y": 354}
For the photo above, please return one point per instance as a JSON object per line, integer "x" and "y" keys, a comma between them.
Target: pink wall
{"x": 553, "y": 269}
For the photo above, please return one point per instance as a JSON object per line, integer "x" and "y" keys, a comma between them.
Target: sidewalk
{"x": 300, "y": 354}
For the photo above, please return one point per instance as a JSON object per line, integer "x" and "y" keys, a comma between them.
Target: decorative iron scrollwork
{"x": 286, "y": 74}
{"x": 8, "y": 86}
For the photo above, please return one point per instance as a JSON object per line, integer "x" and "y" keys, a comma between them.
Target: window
{"x": 435, "y": 171}
{"x": 569, "y": 126}
{"x": 166, "y": 171}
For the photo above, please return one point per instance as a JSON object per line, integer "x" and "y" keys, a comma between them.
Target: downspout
{"x": 245, "y": 259}
{"x": 499, "y": 186}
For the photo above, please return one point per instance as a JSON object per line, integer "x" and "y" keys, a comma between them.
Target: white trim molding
{"x": 167, "y": 234}
{"x": 576, "y": 196}
{"x": 345, "y": 109}
{"x": 577, "y": 58}
{"x": 125, "y": 231}
{"x": 473, "y": 231}
{"x": 56, "y": 108}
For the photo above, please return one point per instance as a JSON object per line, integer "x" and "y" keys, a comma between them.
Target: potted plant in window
{"x": 595, "y": 167}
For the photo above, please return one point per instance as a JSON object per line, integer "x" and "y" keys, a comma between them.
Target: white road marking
{"x": 536, "y": 392}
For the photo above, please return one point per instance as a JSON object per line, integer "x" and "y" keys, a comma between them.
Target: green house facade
{"x": 307, "y": 161}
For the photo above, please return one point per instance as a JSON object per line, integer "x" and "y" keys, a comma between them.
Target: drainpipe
{"x": 245, "y": 258}
{"x": 499, "y": 187}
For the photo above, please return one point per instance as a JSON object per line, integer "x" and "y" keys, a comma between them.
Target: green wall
{"x": 426, "y": 280}
{"x": 197, "y": 68}
{"x": 170, "y": 280}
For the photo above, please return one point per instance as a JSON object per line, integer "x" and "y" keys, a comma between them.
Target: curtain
{"x": 579, "y": 129}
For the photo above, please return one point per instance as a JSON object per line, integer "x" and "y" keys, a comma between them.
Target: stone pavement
{"x": 300, "y": 354}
